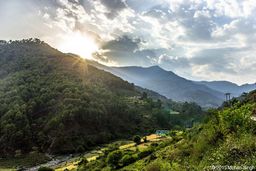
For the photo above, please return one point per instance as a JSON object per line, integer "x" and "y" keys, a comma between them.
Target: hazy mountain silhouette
{"x": 226, "y": 86}
{"x": 167, "y": 83}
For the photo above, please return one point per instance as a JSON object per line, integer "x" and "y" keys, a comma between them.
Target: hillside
{"x": 167, "y": 84}
{"x": 225, "y": 141}
{"x": 53, "y": 102}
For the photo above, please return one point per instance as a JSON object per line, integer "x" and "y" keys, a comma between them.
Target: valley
{"x": 71, "y": 161}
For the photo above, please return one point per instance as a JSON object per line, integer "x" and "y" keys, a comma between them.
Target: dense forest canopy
{"x": 57, "y": 103}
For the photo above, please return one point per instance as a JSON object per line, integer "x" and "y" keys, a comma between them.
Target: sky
{"x": 196, "y": 39}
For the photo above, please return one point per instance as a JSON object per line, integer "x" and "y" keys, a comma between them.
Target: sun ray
{"x": 80, "y": 44}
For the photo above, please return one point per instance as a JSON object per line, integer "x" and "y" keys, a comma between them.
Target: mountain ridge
{"x": 229, "y": 87}
{"x": 168, "y": 81}
{"x": 147, "y": 77}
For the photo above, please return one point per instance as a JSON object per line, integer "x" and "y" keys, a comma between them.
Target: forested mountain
{"x": 228, "y": 87}
{"x": 58, "y": 103}
{"x": 168, "y": 84}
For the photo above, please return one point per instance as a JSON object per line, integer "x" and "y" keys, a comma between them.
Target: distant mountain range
{"x": 170, "y": 85}
{"x": 226, "y": 86}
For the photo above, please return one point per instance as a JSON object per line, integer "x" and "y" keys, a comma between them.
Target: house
{"x": 162, "y": 132}
{"x": 253, "y": 117}
{"x": 172, "y": 112}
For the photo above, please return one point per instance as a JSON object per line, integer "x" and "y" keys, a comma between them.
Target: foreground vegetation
{"x": 226, "y": 139}
{"x": 27, "y": 160}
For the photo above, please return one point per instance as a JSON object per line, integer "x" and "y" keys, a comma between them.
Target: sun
{"x": 80, "y": 44}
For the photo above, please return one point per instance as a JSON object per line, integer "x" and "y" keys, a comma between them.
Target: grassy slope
{"x": 227, "y": 138}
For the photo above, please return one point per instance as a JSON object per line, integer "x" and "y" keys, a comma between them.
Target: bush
{"x": 137, "y": 139}
{"x": 45, "y": 169}
{"x": 154, "y": 144}
{"x": 114, "y": 157}
{"x": 82, "y": 162}
{"x": 110, "y": 148}
{"x": 145, "y": 153}
{"x": 145, "y": 139}
{"x": 128, "y": 159}
{"x": 158, "y": 166}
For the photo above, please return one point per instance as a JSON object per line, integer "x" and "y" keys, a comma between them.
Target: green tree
{"x": 114, "y": 157}
{"x": 144, "y": 96}
{"x": 45, "y": 169}
{"x": 128, "y": 159}
{"x": 145, "y": 139}
{"x": 137, "y": 139}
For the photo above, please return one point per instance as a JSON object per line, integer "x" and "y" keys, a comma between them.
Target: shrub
{"x": 114, "y": 157}
{"x": 158, "y": 166}
{"x": 154, "y": 144}
{"x": 145, "y": 139}
{"x": 45, "y": 169}
{"x": 83, "y": 162}
{"x": 128, "y": 159}
{"x": 145, "y": 153}
{"x": 137, "y": 139}
{"x": 110, "y": 148}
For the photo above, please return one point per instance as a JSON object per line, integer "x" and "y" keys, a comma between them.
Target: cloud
{"x": 172, "y": 62}
{"x": 125, "y": 50}
{"x": 216, "y": 60}
{"x": 195, "y": 38}
{"x": 199, "y": 36}
{"x": 114, "y": 6}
